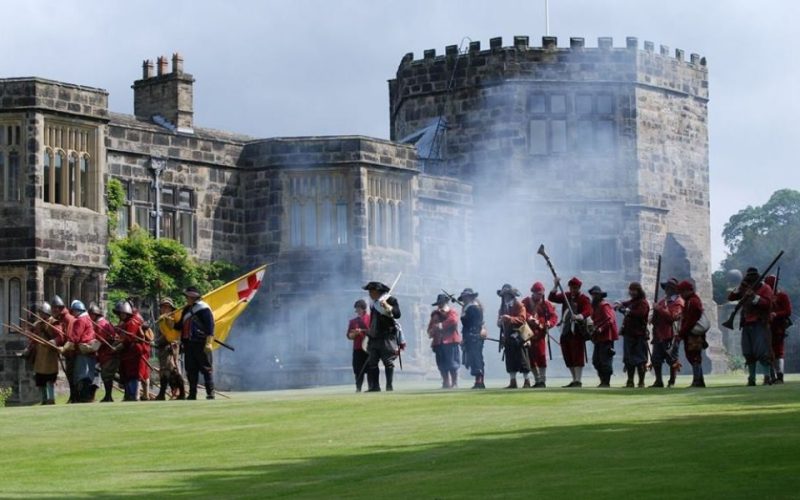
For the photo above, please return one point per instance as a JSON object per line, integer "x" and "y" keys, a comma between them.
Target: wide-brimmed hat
{"x": 596, "y": 290}
{"x": 377, "y": 286}
{"x": 441, "y": 299}
{"x": 166, "y": 301}
{"x": 192, "y": 291}
{"x": 507, "y": 289}
{"x": 673, "y": 282}
{"x": 467, "y": 292}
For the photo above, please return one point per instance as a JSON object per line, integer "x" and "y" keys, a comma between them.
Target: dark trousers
{"x": 359, "y": 366}
{"x": 603, "y": 360}
{"x": 385, "y": 351}
{"x": 197, "y": 361}
{"x": 69, "y": 374}
{"x": 473, "y": 357}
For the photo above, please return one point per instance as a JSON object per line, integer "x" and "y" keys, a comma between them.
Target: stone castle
{"x": 599, "y": 152}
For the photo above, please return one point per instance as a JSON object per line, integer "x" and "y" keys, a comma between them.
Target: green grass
{"x": 727, "y": 441}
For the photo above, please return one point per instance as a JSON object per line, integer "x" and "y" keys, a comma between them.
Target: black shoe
{"x": 767, "y": 380}
{"x": 539, "y": 385}
{"x": 658, "y": 383}
{"x": 512, "y": 385}
{"x": 629, "y": 384}
{"x": 191, "y": 398}
{"x": 779, "y": 379}
{"x": 526, "y": 384}
{"x": 604, "y": 385}
{"x": 374, "y": 389}
{"x": 107, "y": 399}
{"x": 210, "y": 396}
{"x": 389, "y": 388}
{"x": 571, "y": 384}
{"x": 751, "y": 382}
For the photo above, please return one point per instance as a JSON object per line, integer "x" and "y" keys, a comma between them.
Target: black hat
{"x": 441, "y": 299}
{"x": 468, "y": 292}
{"x": 751, "y": 274}
{"x": 673, "y": 282}
{"x": 192, "y": 291}
{"x": 508, "y": 290}
{"x": 596, "y": 290}
{"x": 377, "y": 286}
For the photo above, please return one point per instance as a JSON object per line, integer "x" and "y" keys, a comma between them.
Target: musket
{"x": 542, "y": 252}
{"x": 547, "y": 330}
{"x": 32, "y": 336}
{"x": 655, "y": 301}
{"x": 777, "y": 279}
{"x": 58, "y": 330}
{"x": 490, "y": 339}
{"x": 126, "y": 333}
{"x": 223, "y": 344}
{"x": 729, "y": 323}
{"x": 452, "y": 298}
{"x": 391, "y": 289}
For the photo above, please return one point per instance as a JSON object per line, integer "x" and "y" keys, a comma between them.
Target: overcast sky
{"x": 283, "y": 68}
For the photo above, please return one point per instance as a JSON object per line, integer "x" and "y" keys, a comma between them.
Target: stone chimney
{"x": 166, "y": 98}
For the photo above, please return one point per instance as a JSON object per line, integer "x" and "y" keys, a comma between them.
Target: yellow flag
{"x": 226, "y": 302}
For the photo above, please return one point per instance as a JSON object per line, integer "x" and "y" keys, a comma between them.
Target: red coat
{"x": 105, "y": 330}
{"x": 635, "y": 322}
{"x": 581, "y": 304}
{"x": 448, "y": 333}
{"x": 82, "y": 331}
{"x": 781, "y": 312}
{"x": 541, "y": 317}
{"x": 754, "y": 312}
{"x": 605, "y": 323}
{"x": 666, "y": 313}
{"x": 64, "y": 328}
{"x": 691, "y": 315}
{"x": 131, "y": 357}
{"x": 511, "y": 317}
{"x": 359, "y": 323}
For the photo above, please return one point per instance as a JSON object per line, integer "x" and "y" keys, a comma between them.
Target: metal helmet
{"x": 78, "y": 306}
{"x": 734, "y": 277}
{"x": 95, "y": 309}
{"x": 45, "y": 309}
{"x": 57, "y": 301}
{"x": 123, "y": 306}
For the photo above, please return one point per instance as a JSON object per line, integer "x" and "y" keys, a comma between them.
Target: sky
{"x": 304, "y": 67}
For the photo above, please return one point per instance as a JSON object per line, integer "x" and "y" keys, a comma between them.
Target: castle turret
{"x": 165, "y": 98}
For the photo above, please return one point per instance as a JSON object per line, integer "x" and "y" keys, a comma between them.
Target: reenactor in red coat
{"x": 107, "y": 357}
{"x": 357, "y": 331}
{"x": 541, "y": 317}
{"x": 693, "y": 345}
{"x": 63, "y": 328}
{"x": 780, "y": 319}
{"x": 131, "y": 349}
{"x": 605, "y": 333}
{"x": 445, "y": 340}
{"x": 574, "y": 332}
{"x": 84, "y": 348}
{"x": 510, "y": 319}
{"x": 666, "y": 321}
{"x": 636, "y": 311}
{"x": 756, "y": 338}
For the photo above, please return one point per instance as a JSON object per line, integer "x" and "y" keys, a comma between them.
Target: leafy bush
{"x": 5, "y": 394}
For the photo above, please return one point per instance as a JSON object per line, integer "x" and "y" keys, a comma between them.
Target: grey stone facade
{"x": 330, "y": 213}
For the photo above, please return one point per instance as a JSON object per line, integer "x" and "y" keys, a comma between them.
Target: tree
{"x": 755, "y": 235}
{"x": 143, "y": 267}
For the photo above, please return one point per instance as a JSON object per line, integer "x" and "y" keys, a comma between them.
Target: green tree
{"x": 143, "y": 267}
{"x": 755, "y": 235}
{"x": 115, "y": 199}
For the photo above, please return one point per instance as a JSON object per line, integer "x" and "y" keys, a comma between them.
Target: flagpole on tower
{"x": 547, "y": 17}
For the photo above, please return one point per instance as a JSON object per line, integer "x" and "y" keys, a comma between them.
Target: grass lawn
{"x": 727, "y": 441}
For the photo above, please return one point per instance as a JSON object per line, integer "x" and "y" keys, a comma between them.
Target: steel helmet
{"x": 123, "y": 306}
{"x": 77, "y": 305}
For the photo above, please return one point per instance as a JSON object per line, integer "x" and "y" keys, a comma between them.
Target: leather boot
{"x": 512, "y": 384}
{"x": 162, "y": 390}
{"x": 641, "y": 370}
{"x": 779, "y": 378}
{"x": 630, "y": 373}
{"x": 109, "y": 387}
{"x": 672, "y": 374}
{"x": 389, "y": 376}
{"x": 445, "y": 379}
{"x": 373, "y": 381}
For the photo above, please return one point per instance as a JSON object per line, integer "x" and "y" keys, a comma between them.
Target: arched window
{"x": 14, "y": 301}
{"x": 84, "y": 182}
{"x": 48, "y": 155}
{"x": 14, "y": 180}
{"x": 58, "y": 169}
{"x": 380, "y": 235}
{"x": 371, "y": 219}
{"x": 72, "y": 178}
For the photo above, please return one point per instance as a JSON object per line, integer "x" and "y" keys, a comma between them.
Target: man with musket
{"x": 756, "y": 338}
{"x": 604, "y": 321}
{"x": 168, "y": 348}
{"x": 357, "y": 332}
{"x": 575, "y": 331}
{"x": 541, "y": 316}
{"x": 83, "y": 346}
{"x": 107, "y": 356}
{"x": 383, "y": 331}
{"x": 445, "y": 340}
{"x": 666, "y": 319}
{"x": 693, "y": 344}
{"x": 44, "y": 358}
{"x": 130, "y": 347}
{"x": 62, "y": 328}
{"x": 636, "y": 312}
{"x": 197, "y": 334}
{"x": 474, "y": 333}
{"x": 779, "y": 321}
{"x": 510, "y": 319}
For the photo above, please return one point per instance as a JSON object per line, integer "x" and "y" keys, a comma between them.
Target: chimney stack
{"x": 168, "y": 95}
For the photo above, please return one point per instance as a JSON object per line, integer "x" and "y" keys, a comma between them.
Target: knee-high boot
{"x": 389, "y": 376}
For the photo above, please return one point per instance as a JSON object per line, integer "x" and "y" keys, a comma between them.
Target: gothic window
{"x": 68, "y": 170}
{"x": 388, "y": 214}
{"x": 554, "y": 124}
{"x": 318, "y": 209}
{"x": 10, "y": 159}
{"x": 10, "y": 301}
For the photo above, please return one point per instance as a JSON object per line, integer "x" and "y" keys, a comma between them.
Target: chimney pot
{"x": 177, "y": 64}
{"x": 162, "y": 65}
{"x": 605, "y": 42}
{"x": 632, "y": 42}
{"x": 549, "y": 42}
{"x": 147, "y": 69}
{"x": 577, "y": 42}
{"x": 496, "y": 43}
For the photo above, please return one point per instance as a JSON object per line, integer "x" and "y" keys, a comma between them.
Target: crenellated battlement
{"x": 550, "y": 44}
